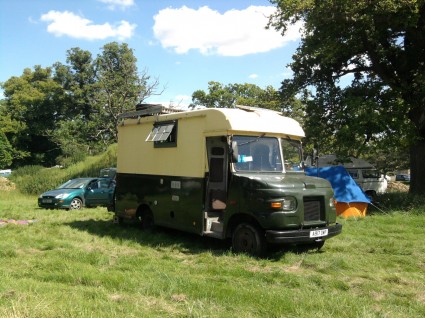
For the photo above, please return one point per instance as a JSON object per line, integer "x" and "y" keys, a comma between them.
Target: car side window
{"x": 104, "y": 184}
{"x": 93, "y": 185}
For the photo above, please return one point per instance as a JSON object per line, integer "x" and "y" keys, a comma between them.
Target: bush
{"x": 26, "y": 171}
{"x": 36, "y": 179}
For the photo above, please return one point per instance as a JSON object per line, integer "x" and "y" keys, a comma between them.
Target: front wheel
{"x": 248, "y": 238}
{"x": 76, "y": 204}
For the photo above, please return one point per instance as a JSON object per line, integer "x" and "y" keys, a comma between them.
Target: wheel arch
{"x": 141, "y": 209}
{"x": 237, "y": 219}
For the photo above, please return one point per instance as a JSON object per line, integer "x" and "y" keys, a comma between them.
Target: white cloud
{"x": 253, "y": 76}
{"x": 122, "y": 4}
{"x": 69, "y": 24}
{"x": 233, "y": 33}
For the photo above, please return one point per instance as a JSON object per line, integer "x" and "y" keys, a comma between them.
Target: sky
{"x": 183, "y": 44}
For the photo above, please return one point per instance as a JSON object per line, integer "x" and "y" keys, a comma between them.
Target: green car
{"x": 76, "y": 193}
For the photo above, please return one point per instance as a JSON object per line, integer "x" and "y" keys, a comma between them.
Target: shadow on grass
{"x": 158, "y": 238}
{"x": 189, "y": 243}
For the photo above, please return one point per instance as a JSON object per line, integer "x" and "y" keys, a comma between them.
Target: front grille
{"x": 313, "y": 209}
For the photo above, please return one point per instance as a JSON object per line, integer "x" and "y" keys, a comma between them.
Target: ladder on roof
{"x": 143, "y": 110}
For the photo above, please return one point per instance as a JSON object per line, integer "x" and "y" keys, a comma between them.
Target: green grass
{"x": 80, "y": 264}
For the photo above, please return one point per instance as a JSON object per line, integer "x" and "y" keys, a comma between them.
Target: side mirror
{"x": 234, "y": 152}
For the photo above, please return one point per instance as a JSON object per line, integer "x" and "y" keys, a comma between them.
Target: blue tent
{"x": 345, "y": 188}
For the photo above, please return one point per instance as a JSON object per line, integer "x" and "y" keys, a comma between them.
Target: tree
{"x": 5, "y": 151}
{"x": 71, "y": 134}
{"x": 117, "y": 90}
{"x": 381, "y": 44}
{"x": 65, "y": 112}
{"x": 227, "y": 96}
{"x": 34, "y": 104}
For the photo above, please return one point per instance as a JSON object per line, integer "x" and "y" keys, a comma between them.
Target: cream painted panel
{"x": 135, "y": 155}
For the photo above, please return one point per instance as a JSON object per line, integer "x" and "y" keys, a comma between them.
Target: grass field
{"x": 80, "y": 264}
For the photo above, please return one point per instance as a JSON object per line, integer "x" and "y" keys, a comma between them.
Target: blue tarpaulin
{"x": 345, "y": 188}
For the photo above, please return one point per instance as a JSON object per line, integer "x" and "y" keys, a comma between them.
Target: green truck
{"x": 224, "y": 173}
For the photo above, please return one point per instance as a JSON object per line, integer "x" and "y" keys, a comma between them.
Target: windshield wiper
{"x": 250, "y": 141}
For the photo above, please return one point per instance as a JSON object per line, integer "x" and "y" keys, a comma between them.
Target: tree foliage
{"x": 118, "y": 88}
{"x": 62, "y": 113}
{"x": 227, "y": 96}
{"x": 5, "y": 151}
{"x": 363, "y": 64}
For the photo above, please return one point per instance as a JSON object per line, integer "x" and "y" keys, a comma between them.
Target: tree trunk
{"x": 417, "y": 167}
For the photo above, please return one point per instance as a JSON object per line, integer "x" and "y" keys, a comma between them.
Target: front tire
{"x": 76, "y": 204}
{"x": 248, "y": 238}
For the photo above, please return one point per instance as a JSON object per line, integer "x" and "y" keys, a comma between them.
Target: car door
{"x": 100, "y": 192}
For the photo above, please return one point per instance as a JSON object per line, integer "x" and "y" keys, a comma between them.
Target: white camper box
{"x": 364, "y": 173}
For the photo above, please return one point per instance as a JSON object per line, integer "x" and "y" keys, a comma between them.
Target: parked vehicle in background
{"x": 108, "y": 173}
{"x": 223, "y": 173}
{"x": 77, "y": 193}
{"x": 5, "y": 173}
{"x": 364, "y": 173}
{"x": 402, "y": 177}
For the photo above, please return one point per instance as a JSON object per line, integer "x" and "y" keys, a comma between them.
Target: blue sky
{"x": 182, "y": 43}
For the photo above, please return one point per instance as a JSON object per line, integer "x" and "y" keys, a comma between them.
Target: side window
{"x": 164, "y": 134}
{"x": 94, "y": 185}
{"x": 353, "y": 174}
{"x": 104, "y": 184}
{"x": 371, "y": 174}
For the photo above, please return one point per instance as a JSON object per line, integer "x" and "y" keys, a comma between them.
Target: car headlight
{"x": 62, "y": 196}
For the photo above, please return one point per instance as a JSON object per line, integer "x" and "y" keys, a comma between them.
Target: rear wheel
{"x": 248, "y": 238}
{"x": 76, "y": 204}
{"x": 146, "y": 220}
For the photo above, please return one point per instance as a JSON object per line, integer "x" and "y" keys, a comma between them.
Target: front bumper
{"x": 301, "y": 236}
{"x": 53, "y": 204}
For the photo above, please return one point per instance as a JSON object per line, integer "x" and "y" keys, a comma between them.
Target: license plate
{"x": 47, "y": 200}
{"x": 319, "y": 233}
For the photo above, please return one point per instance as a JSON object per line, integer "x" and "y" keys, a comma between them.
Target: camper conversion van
{"x": 224, "y": 173}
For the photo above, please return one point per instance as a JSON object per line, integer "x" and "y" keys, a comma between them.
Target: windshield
{"x": 292, "y": 154}
{"x": 257, "y": 153}
{"x": 74, "y": 184}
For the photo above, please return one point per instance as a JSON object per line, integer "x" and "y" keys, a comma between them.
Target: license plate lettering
{"x": 47, "y": 200}
{"x": 319, "y": 233}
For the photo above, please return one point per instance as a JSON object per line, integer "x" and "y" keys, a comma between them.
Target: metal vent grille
{"x": 312, "y": 209}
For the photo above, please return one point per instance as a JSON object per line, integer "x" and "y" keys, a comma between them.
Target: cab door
{"x": 216, "y": 189}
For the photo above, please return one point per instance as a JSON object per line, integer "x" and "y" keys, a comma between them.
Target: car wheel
{"x": 76, "y": 204}
{"x": 247, "y": 238}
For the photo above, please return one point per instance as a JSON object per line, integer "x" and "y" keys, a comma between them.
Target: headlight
{"x": 331, "y": 202}
{"x": 62, "y": 196}
{"x": 287, "y": 204}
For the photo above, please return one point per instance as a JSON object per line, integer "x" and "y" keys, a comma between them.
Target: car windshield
{"x": 75, "y": 184}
